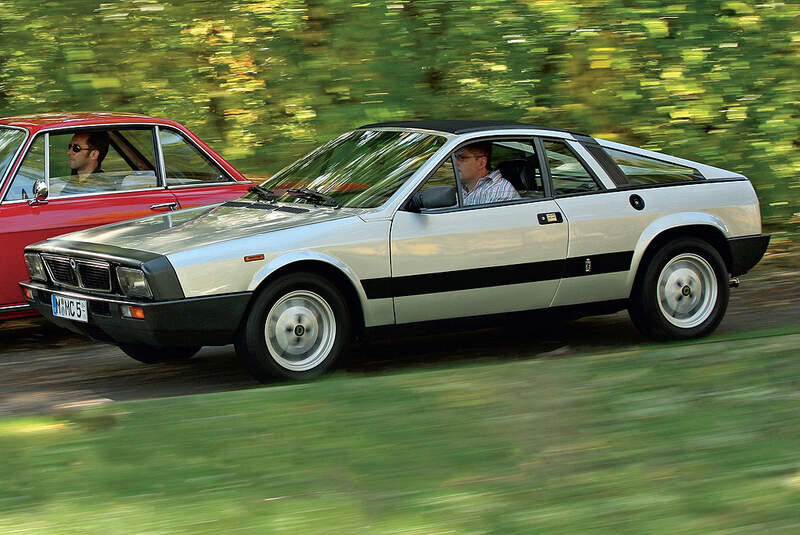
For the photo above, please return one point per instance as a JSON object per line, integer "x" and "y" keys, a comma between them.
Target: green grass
{"x": 677, "y": 438}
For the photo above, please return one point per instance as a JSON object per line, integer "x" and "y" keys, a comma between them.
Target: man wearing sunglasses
{"x": 86, "y": 152}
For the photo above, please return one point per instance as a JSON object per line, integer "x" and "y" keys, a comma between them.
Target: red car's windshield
{"x": 10, "y": 140}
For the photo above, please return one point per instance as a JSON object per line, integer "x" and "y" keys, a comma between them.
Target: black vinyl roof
{"x": 462, "y": 127}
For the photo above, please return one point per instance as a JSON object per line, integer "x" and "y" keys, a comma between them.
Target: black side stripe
{"x": 466, "y": 279}
{"x": 601, "y": 263}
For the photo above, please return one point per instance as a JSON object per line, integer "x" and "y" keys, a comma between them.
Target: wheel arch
{"x": 702, "y": 226}
{"x": 329, "y": 268}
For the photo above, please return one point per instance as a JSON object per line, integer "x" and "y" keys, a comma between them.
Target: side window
{"x": 517, "y": 162}
{"x": 642, "y": 170}
{"x": 134, "y": 154}
{"x": 443, "y": 178}
{"x": 31, "y": 170}
{"x": 566, "y": 171}
{"x": 185, "y": 164}
{"x": 498, "y": 170}
{"x": 123, "y": 160}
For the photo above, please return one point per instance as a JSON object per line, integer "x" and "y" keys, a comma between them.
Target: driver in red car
{"x": 86, "y": 153}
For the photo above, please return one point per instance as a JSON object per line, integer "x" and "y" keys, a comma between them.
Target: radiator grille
{"x": 79, "y": 273}
{"x": 94, "y": 277}
{"x": 60, "y": 270}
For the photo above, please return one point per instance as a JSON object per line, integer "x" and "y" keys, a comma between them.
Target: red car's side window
{"x": 185, "y": 164}
{"x": 128, "y": 162}
{"x": 123, "y": 160}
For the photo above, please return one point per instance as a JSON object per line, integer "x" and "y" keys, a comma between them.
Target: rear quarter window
{"x": 641, "y": 170}
{"x": 568, "y": 173}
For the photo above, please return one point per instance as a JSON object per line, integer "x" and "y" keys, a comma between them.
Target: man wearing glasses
{"x": 481, "y": 184}
{"x": 86, "y": 152}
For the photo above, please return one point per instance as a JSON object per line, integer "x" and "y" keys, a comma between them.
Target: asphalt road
{"x": 43, "y": 367}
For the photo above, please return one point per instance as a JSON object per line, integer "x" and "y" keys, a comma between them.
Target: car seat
{"x": 521, "y": 173}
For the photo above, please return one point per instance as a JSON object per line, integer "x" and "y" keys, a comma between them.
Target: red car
{"x": 69, "y": 171}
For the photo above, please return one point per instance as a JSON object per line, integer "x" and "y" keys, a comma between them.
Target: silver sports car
{"x": 404, "y": 222}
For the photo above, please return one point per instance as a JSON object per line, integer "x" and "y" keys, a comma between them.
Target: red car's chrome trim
{"x": 14, "y": 308}
{"x": 113, "y": 192}
{"x": 205, "y": 185}
{"x": 92, "y": 194}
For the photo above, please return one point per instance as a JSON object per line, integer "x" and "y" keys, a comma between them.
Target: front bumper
{"x": 197, "y": 321}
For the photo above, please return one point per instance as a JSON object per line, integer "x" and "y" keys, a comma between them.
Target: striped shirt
{"x": 491, "y": 188}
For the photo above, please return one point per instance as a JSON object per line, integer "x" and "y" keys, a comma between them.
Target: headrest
{"x": 519, "y": 172}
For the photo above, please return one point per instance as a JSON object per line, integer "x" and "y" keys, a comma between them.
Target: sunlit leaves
{"x": 265, "y": 80}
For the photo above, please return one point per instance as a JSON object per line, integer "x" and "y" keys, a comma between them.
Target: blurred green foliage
{"x": 265, "y": 80}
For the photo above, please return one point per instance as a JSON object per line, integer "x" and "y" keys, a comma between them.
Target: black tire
{"x": 682, "y": 292}
{"x": 295, "y": 329}
{"x": 155, "y": 354}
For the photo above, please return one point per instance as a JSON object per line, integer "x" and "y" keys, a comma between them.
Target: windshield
{"x": 10, "y": 140}
{"x": 361, "y": 169}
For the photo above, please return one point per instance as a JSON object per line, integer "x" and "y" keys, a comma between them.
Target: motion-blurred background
{"x": 264, "y": 81}
{"x": 546, "y": 429}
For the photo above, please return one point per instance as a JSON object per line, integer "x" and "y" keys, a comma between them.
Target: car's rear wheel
{"x": 296, "y": 328}
{"x": 683, "y": 291}
{"x": 153, "y": 354}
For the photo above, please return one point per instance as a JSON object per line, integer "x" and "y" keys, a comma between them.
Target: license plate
{"x": 67, "y": 307}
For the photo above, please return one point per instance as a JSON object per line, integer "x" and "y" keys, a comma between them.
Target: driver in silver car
{"x": 481, "y": 184}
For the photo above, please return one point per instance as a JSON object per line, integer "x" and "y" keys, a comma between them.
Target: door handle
{"x": 550, "y": 218}
{"x": 171, "y": 205}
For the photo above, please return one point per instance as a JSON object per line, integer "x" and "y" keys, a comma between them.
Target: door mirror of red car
{"x": 39, "y": 192}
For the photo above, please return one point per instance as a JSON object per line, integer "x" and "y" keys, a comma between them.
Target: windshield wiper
{"x": 313, "y": 196}
{"x": 262, "y": 193}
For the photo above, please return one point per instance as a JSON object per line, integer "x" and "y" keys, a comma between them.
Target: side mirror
{"x": 39, "y": 193}
{"x": 433, "y": 197}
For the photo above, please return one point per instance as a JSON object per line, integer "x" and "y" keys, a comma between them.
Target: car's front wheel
{"x": 296, "y": 328}
{"x": 683, "y": 291}
{"x": 153, "y": 354}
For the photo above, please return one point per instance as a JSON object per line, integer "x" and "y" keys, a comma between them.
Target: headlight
{"x": 35, "y": 267}
{"x": 133, "y": 283}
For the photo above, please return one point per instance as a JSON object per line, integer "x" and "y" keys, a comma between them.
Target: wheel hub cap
{"x": 300, "y": 330}
{"x": 687, "y": 290}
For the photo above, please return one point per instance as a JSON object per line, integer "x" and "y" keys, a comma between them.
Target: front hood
{"x": 185, "y": 229}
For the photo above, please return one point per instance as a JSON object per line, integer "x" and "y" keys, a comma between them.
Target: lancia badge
{"x": 587, "y": 265}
